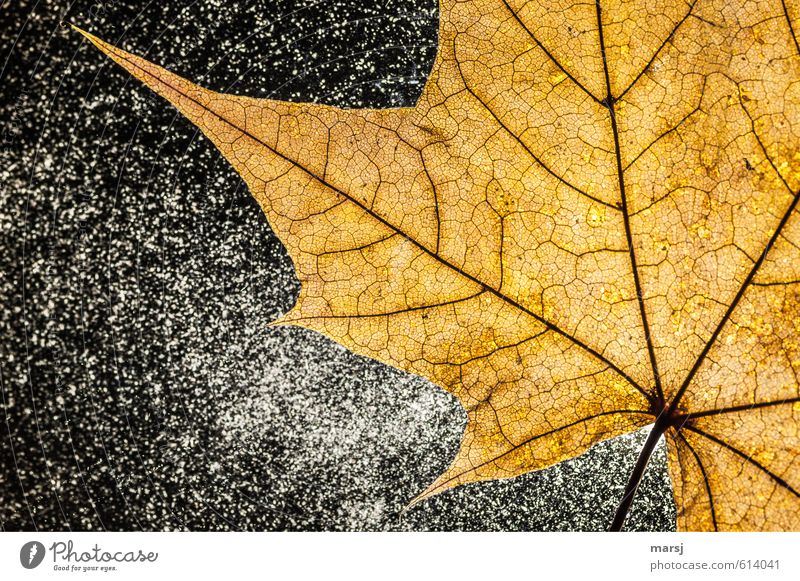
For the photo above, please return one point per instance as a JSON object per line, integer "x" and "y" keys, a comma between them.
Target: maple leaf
{"x": 587, "y": 224}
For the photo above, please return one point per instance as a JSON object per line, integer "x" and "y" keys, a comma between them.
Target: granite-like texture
{"x": 141, "y": 387}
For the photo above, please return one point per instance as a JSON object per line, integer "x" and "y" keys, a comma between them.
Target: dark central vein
{"x": 609, "y": 103}
{"x": 551, "y": 326}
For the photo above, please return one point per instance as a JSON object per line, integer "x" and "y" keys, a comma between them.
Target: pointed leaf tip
{"x": 96, "y": 41}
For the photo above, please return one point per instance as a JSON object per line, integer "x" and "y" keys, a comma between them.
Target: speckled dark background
{"x": 141, "y": 387}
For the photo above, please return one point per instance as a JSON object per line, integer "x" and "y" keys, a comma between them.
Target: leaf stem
{"x": 661, "y": 425}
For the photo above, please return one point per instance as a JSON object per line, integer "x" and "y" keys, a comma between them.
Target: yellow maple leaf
{"x": 587, "y": 224}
